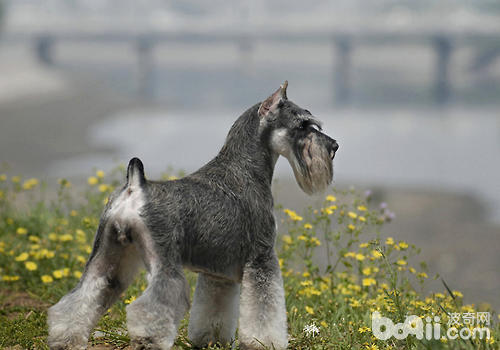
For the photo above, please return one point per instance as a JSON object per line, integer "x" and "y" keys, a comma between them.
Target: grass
{"x": 44, "y": 244}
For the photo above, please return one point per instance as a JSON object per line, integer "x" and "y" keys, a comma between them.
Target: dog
{"x": 218, "y": 222}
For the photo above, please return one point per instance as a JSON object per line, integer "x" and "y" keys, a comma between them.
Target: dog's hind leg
{"x": 153, "y": 318}
{"x": 110, "y": 269}
{"x": 262, "y": 322}
{"x": 214, "y": 314}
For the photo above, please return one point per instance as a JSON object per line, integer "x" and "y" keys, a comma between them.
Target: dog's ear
{"x": 272, "y": 103}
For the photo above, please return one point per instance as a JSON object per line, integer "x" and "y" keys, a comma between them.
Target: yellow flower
{"x": 3, "y": 177}
{"x": 306, "y": 283}
{"x": 324, "y": 324}
{"x": 363, "y": 329}
{"x": 354, "y": 302}
{"x": 423, "y": 275}
{"x": 351, "y": 227}
{"x": 403, "y": 245}
{"x": 21, "y": 231}
{"x": 77, "y": 274}
{"x": 364, "y": 245}
{"x": 30, "y": 265}
{"x": 73, "y": 213}
{"x": 52, "y": 236}
{"x": 331, "y": 198}
{"x": 65, "y": 238}
{"x": 306, "y": 274}
{"x": 360, "y": 257}
{"x": 287, "y": 239}
{"x": 103, "y": 187}
{"x": 22, "y": 257}
{"x": 372, "y": 347}
{"x": 57, "y": 274}
{"x": 412, "y": 270}
{"x": 315, "y": 241}
{"x": 457, "y": 294}
{"x": 47, "y": 279}
{"x": 293, "y": 215}
{"x": 368, "y": 282}
{"x": 16, "y": 179}
{"x": 10, "y": 278}
{"x": 367, "y": 271}
{"x": 30, "y": 183}
{"x": 362, "y": 218}
{"x": 401, "y": 262}
{"x": 389, "y": 241}
{"x": 100, "y": 174}
{"x": 376, "y": 254}
{"x": 309, "y": 310}
{"x": 352, "y": 215}
{"x": 34, "y": 238}
{"x": 328, "y": 211}
{"x": 92, "y": 180}
{"x": 308, "y": 226}
{"x": 302, "y": 238}
{"x": 130, "y": 300}
{"x": 362, "y": 208}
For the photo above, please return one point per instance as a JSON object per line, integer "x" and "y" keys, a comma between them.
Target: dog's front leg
{"x": 262, "y": 306}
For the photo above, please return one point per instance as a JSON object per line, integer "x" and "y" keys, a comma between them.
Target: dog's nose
{"x": 335, "y": 147}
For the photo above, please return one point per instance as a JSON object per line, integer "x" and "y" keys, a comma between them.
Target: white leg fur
{"x": 262, "y": 308}
{"x": 71, "y": 320}
{"x": 214, "y": 314}
{"x": 152, "y": 319}
{"x": 73, "y": 317}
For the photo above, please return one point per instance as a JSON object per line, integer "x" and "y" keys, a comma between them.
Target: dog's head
{"x": 295, "y": 134}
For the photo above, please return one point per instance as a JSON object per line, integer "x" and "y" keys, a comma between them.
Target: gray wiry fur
{"x": 217, "y": 221}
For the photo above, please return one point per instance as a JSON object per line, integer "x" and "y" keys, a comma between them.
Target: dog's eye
{"x": 307, "y": 124}
{"x": 315, "y": 127}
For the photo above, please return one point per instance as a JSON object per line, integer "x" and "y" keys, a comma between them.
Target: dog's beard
{"x": 312, "y": 165}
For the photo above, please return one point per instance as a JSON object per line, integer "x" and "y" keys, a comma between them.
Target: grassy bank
{"x": 44, "y": 245}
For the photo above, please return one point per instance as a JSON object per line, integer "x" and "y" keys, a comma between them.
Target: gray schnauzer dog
{"x": 218, "y": 222}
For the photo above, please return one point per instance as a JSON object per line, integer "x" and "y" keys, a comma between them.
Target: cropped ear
{"x": 271, "y": 104}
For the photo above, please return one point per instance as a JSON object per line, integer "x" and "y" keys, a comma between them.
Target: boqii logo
{"x": 383, "y": 328}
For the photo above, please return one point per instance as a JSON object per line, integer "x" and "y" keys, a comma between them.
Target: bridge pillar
{"x": 342, "y": 70}
{"x": 442, "y": 86}
{"x": 44, "y": 49}
{"x": 145, "y": 63}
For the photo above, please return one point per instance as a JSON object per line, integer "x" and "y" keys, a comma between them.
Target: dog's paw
{"x": 144, "y": 344}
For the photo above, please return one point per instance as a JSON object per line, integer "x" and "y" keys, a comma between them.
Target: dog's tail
{"x": 135, "y": 173}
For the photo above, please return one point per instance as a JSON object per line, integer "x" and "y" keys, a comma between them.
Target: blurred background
{"x": 410, "y": 89}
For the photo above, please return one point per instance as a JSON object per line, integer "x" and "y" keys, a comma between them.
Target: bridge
{"x": 343, "y": 42}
